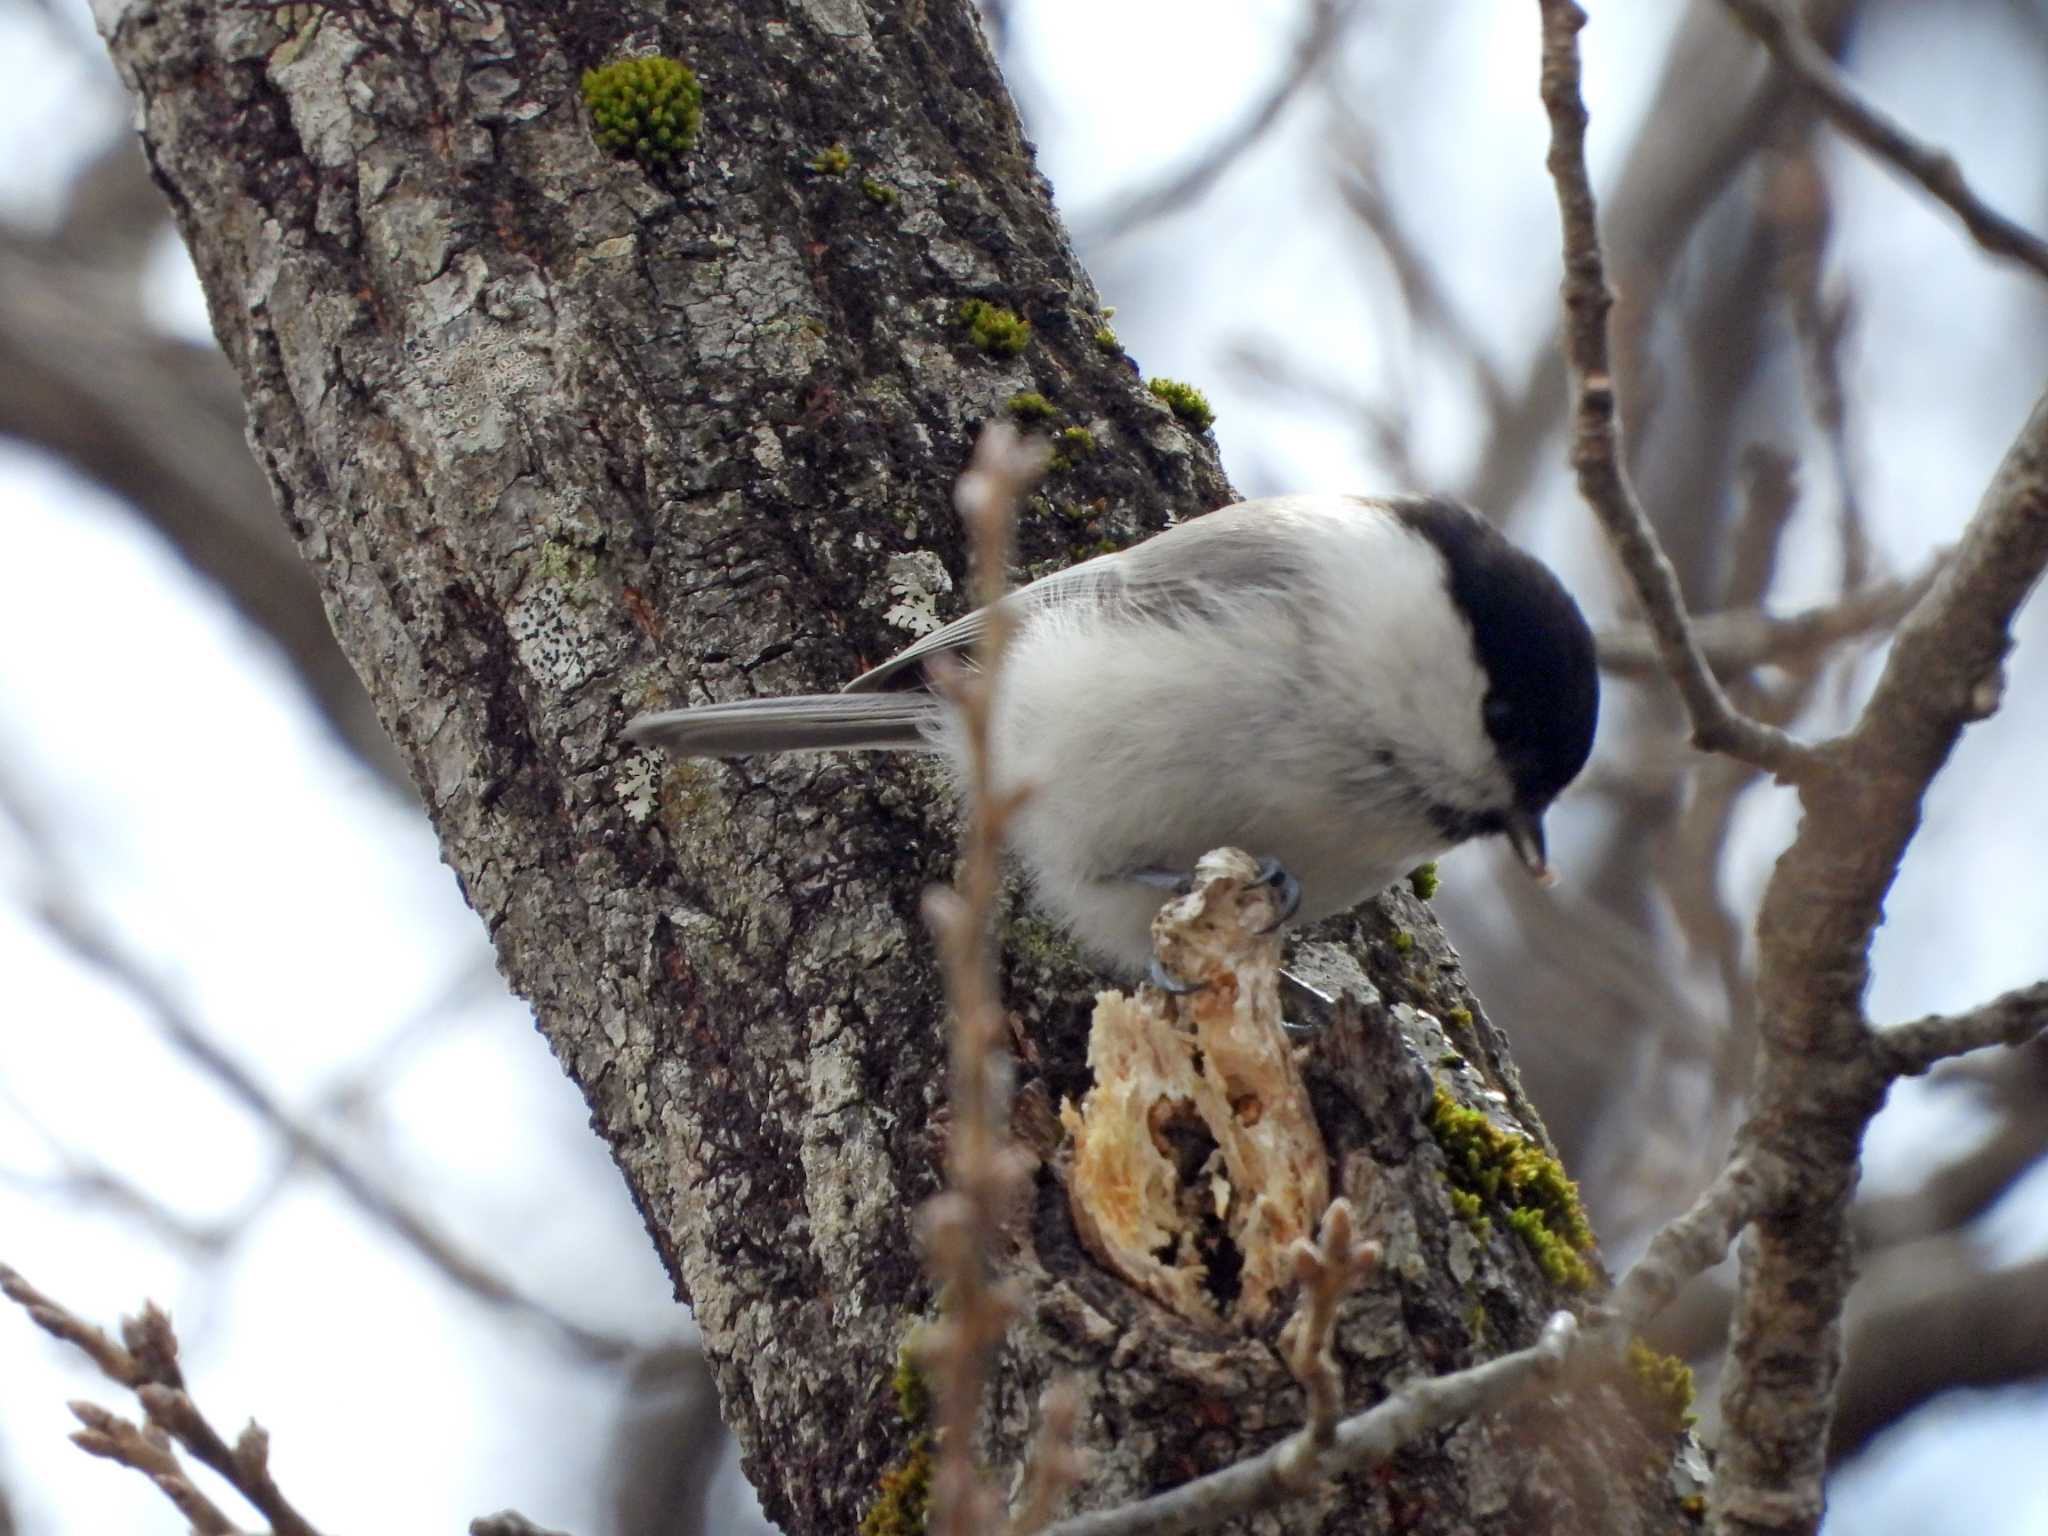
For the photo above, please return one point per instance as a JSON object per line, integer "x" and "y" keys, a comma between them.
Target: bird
{"x": 1344, "y": 686}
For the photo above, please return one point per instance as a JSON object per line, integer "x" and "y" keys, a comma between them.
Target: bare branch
{"x": 147, "y": 1362}
{"x": 1733, "y": 643}
{"x": 1313, "y": 53}
{"x": 1823, "y": 1075}
{"x": 1799, "y": 203}
{"x": 509, "y": 1522}
{"x": 2012, "y": 1019}
{"x": 1361, "y": 1441}
{"x": 1690, "y": 1245}
{"x": 1935, "y": 170}
{"x": 85, "y": 941}
{"x": 1931, "y": 1318}
{"x": 57, "y": 1320}
{"x": 1956, "y": 1192}
{"x": 985, "y": 1169}
{"x": 127, "y": 1444}
{"x": 1596, "y": 428}
{"x": 1327, "y": 1269}
{"x": 1054, "y": 1466}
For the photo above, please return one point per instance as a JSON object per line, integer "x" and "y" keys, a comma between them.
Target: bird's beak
{"x": 1525, "y": 836}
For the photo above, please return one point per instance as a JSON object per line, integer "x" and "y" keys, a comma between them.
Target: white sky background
{"x": 203, "y": 809}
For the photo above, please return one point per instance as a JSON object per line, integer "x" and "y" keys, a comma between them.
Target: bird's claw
{"x": 1167, "y": 982}
{"x": 1272, "y": 872}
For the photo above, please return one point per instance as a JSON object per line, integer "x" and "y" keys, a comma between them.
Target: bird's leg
{"x": 1175, "y": 882}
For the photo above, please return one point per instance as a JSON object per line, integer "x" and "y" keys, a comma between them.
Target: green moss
{"x": 1071, "y": 446}
{"x": 647, "y": 109}
{"x": 1458, "y": 1018}
{"x": 1694, "y": 1505}
{"x": 993, "y": 328}
{"x": 1105, "y": 341}
{"x": 913, "y": 1396}
{"x": 1185, "y": 401}
{"x": 1404, "y": 941}
{"x": 880, "y": 193}
{"x": 1662, "y": 1388}
{"x": 1451, "y": 1060}
{"x": 567, "y": 566}
{"x": 834, "y": 160}
{"x": 904, "y": 1499}
{"x": 1422, "y": 880}
{"x": 1029, "y": 406}
{"x": 1473, "y": 1210}
{"x": 906, "y": 1491}
{"x": 1528, "y": 1186}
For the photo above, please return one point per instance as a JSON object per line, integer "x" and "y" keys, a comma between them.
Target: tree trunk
{"x": 566, "y": 438}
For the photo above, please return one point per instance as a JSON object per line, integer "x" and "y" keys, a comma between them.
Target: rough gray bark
{"x": 562, "y": 441}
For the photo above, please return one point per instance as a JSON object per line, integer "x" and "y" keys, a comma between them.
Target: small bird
{"x": 1343, "y": 686}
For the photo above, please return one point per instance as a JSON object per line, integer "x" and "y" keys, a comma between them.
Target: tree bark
{"x": 563, "y": 440}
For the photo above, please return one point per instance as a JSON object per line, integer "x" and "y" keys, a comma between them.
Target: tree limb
{"x": 1733, "y": 643}
{"x": 1934, "y": 170}
{"x": 1596, "y": 428}
{"x": 2011, "y": 1019}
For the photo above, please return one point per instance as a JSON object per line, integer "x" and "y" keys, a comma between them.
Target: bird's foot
{"x": 1272, "y": 872}
{"x": 1167, "y": 982}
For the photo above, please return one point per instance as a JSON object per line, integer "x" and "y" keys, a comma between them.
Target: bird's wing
{"x": 1240, "y": 550}
{"x": 1091, "y": 581}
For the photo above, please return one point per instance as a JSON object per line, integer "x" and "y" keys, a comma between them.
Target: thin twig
{"x": 57, "y": 1320}
{"x": 1689, "y": 1246}
{"x": 1313, "y": 53}
{"x": 1327, "y": 1269}
{"x": 985, "y": 1170}
{"x": 1596, "y": 429}
{"x": 128, "y": 1444}
{"x": 509, "y": 1522}
{"x": 1361, "y": 1441}
{"x": 1735, "y": 642}
{"x": 87, "y": 941}
{"x": 1936, "y": 171}
{"x": 146, "y": 1362}
{"x": 1055, "y": 1466}
{"x": 2012, "y": 1019}
{"x": 1799, "y": 206}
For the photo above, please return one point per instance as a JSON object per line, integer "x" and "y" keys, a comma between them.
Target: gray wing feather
{"x": 808, "y": 723}
{"x": 1239, "y": 551}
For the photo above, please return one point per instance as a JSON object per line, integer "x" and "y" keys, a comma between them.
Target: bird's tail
{"x": 816, "y": 722}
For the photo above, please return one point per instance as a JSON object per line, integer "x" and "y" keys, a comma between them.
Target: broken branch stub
{"x": 1197, "y": 1162}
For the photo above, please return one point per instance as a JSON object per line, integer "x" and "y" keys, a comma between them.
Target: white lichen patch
{"x": 558, "y": 631}
{"x": 638, "y": 787}
{"x": 917, "y": 580}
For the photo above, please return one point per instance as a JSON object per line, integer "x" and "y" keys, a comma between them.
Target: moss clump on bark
{"x": 1490, "y": 1167}
{"x": 1186, "y": 402}
{"x": 993, "y": 328}
{"x": 646, "y": 109}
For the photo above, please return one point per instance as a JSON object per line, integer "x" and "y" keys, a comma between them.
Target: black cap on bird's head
{"x": 1543, "y": 685}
